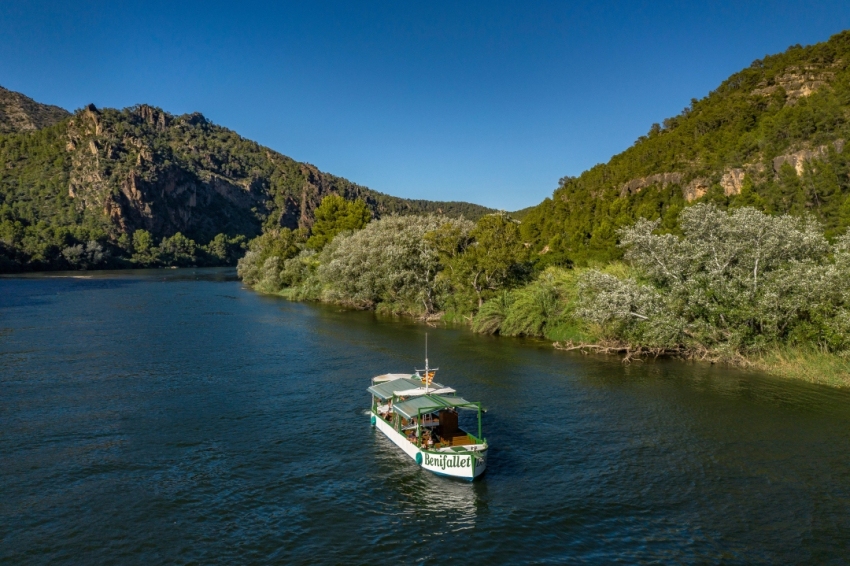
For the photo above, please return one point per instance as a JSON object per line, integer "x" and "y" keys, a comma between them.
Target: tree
{"x": 496, "y": 258}
{"x": 734, "y": 280}
{"x": 256, "y": 269}
{"x": 144, "y": 251}
{"x": 389, "y": 261}
{"x": 224, "y": 250}
{"x": 178, "y": 250}
{"x": 85, "y": 256}
{"x": 336, "y": 215}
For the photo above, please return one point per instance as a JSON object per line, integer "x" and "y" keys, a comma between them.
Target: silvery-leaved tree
{"x": 733, "y": 280}
{"x": 389, "y": 261}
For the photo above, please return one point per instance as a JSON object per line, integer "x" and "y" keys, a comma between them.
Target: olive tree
{"x": 734, "y": 279}
{"x": 388, "y": 261}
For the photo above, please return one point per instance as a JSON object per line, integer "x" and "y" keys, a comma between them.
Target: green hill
{"x": 770, "y": 136}
{"x": 101, "y": 175}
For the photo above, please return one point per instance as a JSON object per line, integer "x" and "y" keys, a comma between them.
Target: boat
{"x": 420, "y": 416}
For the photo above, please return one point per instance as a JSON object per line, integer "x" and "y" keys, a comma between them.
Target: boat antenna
{"x": 426, "y": 363}
{"x": 428, "y": 372}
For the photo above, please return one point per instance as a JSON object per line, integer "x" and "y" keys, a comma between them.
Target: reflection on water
{"x": 428, "y": 493}
{"x": 172, "y": 413}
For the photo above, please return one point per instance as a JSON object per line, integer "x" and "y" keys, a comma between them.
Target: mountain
{"x": 19, "y": 113}
{"x": 100, "y": 175}
{"x": 771, "y": 136}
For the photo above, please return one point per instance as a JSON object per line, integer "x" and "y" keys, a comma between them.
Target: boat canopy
{"x": 390, "y": 377}
{"x": 406, "y": 387}
{"x": 434, "y": 388}
{"x": 387, "y": 389}
{"x": 429, "y": 404}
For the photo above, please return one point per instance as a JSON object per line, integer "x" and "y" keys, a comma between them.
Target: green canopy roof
{"x": 385, "y": 390}
{"x": 430, "y": 403}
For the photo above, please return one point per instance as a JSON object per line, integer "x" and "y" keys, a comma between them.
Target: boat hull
{"x": 464, "y": 464}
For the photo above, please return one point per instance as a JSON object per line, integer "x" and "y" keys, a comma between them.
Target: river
{"x": 173, "y": 416}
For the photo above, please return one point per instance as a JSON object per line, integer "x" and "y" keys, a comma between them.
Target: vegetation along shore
{"x": 720, "y": 235}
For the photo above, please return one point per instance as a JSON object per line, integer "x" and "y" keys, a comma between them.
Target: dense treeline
{"x": 733, "y": 285}
{"x": 420, "y": 265}
{"x": 25, "y": 248}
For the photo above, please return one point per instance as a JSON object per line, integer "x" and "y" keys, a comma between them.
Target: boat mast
{"x": 428, "y": 373}
{"x": 426, "y": 363}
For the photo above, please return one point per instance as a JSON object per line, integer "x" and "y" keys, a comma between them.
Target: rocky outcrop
{"x": 797, "y": 83}
{"x": 155, "y": 193}
{"x": 732, "y": 181}
{"x": 798, "y": 159}
{"x": 142, "y": 168}
{"x": 19, "y": 113}
{"x": 663, "y": 179}
{"x": 153, "y": 116}
{"x": 695, "y": 189}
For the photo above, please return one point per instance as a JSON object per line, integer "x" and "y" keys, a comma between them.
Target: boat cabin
{"x": 425, "y": 413}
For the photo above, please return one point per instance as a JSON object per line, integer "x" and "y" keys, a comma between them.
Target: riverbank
{"x": 737, "y": 287}
{"x": 794, "y": 363}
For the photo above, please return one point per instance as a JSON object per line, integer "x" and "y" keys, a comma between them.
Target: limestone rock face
{"x": 128, "y": 181}
{"x": 797, "y": 83}
{"x": 19, "y": 113}
{"x": 798, "y": 159}
{"x": 695, "y": 189}
{"x": 142, "y": 168}
{"x": 732, "y": 181}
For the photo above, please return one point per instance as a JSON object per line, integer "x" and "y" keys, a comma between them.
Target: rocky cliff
{"x": 145, "y": 168}
{"x": 109, "y": 173}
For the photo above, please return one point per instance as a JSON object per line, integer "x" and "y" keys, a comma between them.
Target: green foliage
{"x": 178, "y": 250}
{"x": 266, "y": 255}
{"x": 544, "y": 307}
{"x": 390, "y": 262}
{"x": 87, "y": 256}
{"x": 493, "y": 258}
{"x": 336, "y": 215}
{"x": 745, "y": 123}
{"x": 734, "y": 282}
{"x": 491, "y": 315}
{"x": 224, "y": 250}
{"x": 143, "y": 247}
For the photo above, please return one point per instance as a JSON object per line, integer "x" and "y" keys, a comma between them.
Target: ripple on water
{"x": 161, "y": 417}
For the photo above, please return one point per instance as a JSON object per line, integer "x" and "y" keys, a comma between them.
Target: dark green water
{"x": 175, "y": 417}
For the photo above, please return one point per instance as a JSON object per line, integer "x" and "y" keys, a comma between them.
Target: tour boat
{"x": 421, "y": 417}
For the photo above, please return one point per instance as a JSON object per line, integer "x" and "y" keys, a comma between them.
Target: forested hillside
{"x": 771, "y": 136}
{"x": 731, "y": 220}
{"x": 104, "y": 187}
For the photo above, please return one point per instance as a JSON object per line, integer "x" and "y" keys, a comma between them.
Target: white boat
{"x": 421, "y": 417}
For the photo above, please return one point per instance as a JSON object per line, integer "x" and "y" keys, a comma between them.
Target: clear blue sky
{"x": 488, "y": 102}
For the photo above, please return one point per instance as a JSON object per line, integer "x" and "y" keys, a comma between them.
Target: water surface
{"x": 176, "y": 417}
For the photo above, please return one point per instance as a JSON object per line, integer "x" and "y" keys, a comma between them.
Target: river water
{"x": 173, "y": 416}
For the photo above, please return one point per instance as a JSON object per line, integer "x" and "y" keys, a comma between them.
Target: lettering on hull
{"x": 447, "y": 461}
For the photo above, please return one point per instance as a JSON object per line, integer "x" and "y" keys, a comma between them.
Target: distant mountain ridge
{"x": 19, "y": 113}
{"x": 103, "y": 174}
